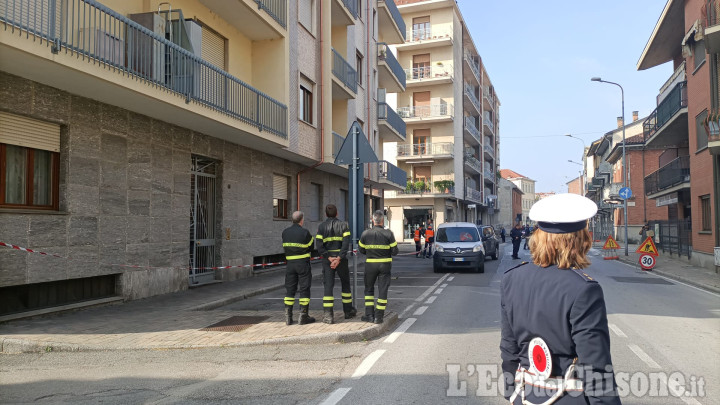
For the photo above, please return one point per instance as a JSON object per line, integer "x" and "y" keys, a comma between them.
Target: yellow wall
{"x": 441, "y": 20}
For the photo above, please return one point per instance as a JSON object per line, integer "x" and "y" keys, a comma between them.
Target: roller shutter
{"x": 213, "y": 48}
{"x": 30, "y": 133}
{"x": 280, "y": 187}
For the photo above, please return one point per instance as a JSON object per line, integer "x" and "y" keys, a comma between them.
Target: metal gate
{"x": 673, "y": 236}
{"x": 202, "y": 220}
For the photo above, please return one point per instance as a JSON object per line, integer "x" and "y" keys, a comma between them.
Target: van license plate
{"x": 459, "y": 259}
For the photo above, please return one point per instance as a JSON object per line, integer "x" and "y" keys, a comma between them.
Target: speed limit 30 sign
{"x": 647, "y": 262}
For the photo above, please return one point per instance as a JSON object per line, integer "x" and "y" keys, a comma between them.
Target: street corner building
{"x": 451, "y": 112}
{"x": 144, "y": 144}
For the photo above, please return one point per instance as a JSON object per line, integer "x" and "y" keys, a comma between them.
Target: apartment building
{"x": 509, "y": 203}
{"x": 527, "y": 186}
{"x": 686, "y": 182}
{"x": 146, "y": 143}
{"x": 450, "y": 110}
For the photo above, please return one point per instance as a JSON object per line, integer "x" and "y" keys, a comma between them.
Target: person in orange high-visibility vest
{"x": 419, "y": 233}
{"x": 429, "y": 239}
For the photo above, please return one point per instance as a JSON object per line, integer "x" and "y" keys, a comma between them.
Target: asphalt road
{"x": 442, "y": 350}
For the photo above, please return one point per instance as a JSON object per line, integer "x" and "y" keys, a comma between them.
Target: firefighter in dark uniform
{"x": 419, "y": 233}
{"x": 516, "y": 235}
{"x": 429, "y": 238}
{"x": 378, "y": 245}
{"x": 333, "y": 243}
{"x": 297, "y": 243}
{"x": 554, "y": 323}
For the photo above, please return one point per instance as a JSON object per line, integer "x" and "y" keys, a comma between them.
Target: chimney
{"x": 620, "y": 122}
{"x": 635, "y": 116}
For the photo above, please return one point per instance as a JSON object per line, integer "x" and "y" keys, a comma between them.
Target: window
{"x": 359, "y": 8}
{"x": 699, "y": 54}
{"x": 702, "y": 136}
{"x": 28, "y": 177}
{"x": 421, "y": 28}
{"x": 306, "y": 14}
{"x": 305, "y": 108}
{"x": 280, "y": 196}
{"x": 359, "y": 67}
{"x": 316, "y": 203}
{"x": 214, "y": 48}
{"x": 421, "y": 66}
{"x": 706, "y": 215}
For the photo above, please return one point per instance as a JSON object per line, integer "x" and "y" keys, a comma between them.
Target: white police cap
{"x": 563, "y": 213}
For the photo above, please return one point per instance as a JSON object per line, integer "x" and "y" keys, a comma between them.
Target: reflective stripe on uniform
{"x": 300, "y": 245}
{"x": 319, "y": 236}
{"x": 346, "y": 234}
{"x": 333, "y": 250}
{"x": 382, "y": 301}
{"x": 364, "y": 246}
{"x": 297, "y": 257}
{"x": 304, "y": 301}
{"x": 369, "y": 300}
{"x": 347, "y": 300}
{"x": 385, "y": 260}
{"x": 331, "y": 239}
{"x": 289, "y": 300}
{"x": 347, "y": 295}
{"x": 381, "y": 304}
{"x": 328, "y": 301}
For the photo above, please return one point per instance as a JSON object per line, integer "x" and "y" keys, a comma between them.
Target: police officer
{"x": 419, "y": 233}
{"x": 297, "y": 243}
{"x": 379, "y": 245}
{"x": 429, "y": 238}
{"x": 333, "y": 243}
{"x": 554, "y": 323}
{"x": 516, "y": 237}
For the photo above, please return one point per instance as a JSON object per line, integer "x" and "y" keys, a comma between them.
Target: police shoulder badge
{"x": 540, "y": 358}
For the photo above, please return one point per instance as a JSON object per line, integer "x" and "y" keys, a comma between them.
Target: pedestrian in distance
{"x": 555, "y": 344}
{"x": 516, "y": 235}
{"x": 297, "y": 244}
{"x": 417, "y": 236}
{"x": 333, "y": 244}
{"x": 429, "y": 239}
{"x": 526, "y": 236}
{"x": 502, "y": 234}
{"x": 379, "y": 246}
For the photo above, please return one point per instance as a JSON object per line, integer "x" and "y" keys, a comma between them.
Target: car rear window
{"x": 458, "y": 234}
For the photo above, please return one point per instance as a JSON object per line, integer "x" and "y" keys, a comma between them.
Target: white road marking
{"x": 367, "y": 364}
{"x": 429, "y": 290}
{"x": 450, "y": 278}
{"x": 400, "y": 330}
{"x": 420, "y": 311}
{"x": 406, "y": 310}
{"x": 336, "y": 396}
{"x": 444, "y": 285}
{"x": 617, "y": 330}
{"x": 644, "y": 356}
{"x": 438, "y": 291}
{"x": 431, "y": 299}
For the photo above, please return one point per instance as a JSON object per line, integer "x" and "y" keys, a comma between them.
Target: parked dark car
{"x": 490, "y": 241}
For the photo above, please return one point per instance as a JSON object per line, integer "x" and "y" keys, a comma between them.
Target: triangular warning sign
{"x": 648, "y": 247}
{"x": 610, "y": 243}
{"x": 365, "y": 152}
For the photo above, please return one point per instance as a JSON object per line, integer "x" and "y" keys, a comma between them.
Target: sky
{"x": 540, "y": 56}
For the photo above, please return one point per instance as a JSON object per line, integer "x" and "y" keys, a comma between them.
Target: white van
{"x": 458, "y": 246}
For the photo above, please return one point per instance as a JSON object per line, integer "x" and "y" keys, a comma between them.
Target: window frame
{"x": 29, "y": 178}
{"x": 705, "y": 214}
{"x": 359, "y": 60}
{"x": 700, "y": 126}
{"x": 697, "y": 63}
{"x": 306, "y": 105}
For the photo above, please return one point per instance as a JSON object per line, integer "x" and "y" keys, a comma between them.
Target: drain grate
{"x": 234, "y": 324}
{"x": 642, "y": 280}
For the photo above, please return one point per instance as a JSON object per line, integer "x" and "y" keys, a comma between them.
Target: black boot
{"x": 304, "y": 317}
{"x": 379, "y": 314}
{"x": 349, "y": 310}
{"x": 328, "y": 316}
{"x": 369, "y": 315}
{"x": 288, "y": 315}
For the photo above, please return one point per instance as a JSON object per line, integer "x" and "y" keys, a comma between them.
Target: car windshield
{"x": 458, "y": 235}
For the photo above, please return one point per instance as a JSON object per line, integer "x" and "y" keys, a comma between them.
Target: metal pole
{"x": 625, "y": 170}
{"x": 355, "y": 213}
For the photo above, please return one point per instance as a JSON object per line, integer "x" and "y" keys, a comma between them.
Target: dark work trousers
{"x": 379, "y": 272}
{"x": 428, "y": 248}
{"x": 503, "y": 238}
{"x": 418, "y": 248}
{"x": 343, "y": 272}
{"x": 516, "y": 246}
{"x": 298, "y": 278}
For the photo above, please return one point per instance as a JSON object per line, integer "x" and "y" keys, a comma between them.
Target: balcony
{"x": 391, "y": 75}
{"x": 344, "y": 78}
{"x": 425, "y": 151}
{"x": 392, "y": 127}
{"x": 670, "y": 178}
{"x": 441, "y": 73}
{"x": 488, "y": 148}
{"x": 471, "y": 104}
{"x": 473, "y": 134}
{"x": 120, "y": 62}
{"x": 613, "y": 191}
{"x": 426, "y": 113}
{"x": 420, "y": 189}
{"x": 473, "y": 195}
{"x": 472, "y": 163}
{"x": 712, "y": 26}
{"x": 337, "y": 142}
{"x": 668, "y": 124}
{"x": 488, "y": 124}
{"x": 427, "y": 38}
{"x": 344, "y": 12}
{"x": 390, "y": 175}
{"x": 489, "y": 175}
{"x": 255, "y": 19}
{"x": 712, "y": 125}
{"x": 473, "y": 65}
{"x": 391, "y": 25}
{"x": 488, "y": 99}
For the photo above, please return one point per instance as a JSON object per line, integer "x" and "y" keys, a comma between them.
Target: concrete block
{"x": 159, "y": 254}
{"x": 51, "y": 104}
{"x": 138, "y": 151}
{"x": 13, "y": 267}
{"x": 180, "y": 206}
{"x": 139, "y": 176}
{"x": 139, "y": 202}
{"x": 83, "y": 231}
{"x": 113, "y": 148}
{"x": 86, "y": 112}
{"x": 181, "y": 161}
{"x": 162, "y": 157}
{"x": 113, "y": 230}
{"x": 180, "y": 230}
{"x": 84, "y": 262}
{"x": 160, "y": 204}
{"x": 161, "y": 134}
{"x": 113, "y": 201}
{"x": 113, "y": 175}
{"x": 138, "y": 229}
{"x": 216, "y": 149}
{"x": 179, "y": 254}
{"x": 200, "y": 144}
{"x": 182, "y": 138}
{"x": 84, "y": 140}
{"x": 109, "y": 255}
{"x": 15, "y": 94}
{"x": 84, "y": 171}
{"x": 114, "y": 119}
{"x": 160, "y": 230}
{"x": 47, "y": 231}
{"x": 162, "y": 180}
{"x": 83, "y": 200}
{"x": 137, "y": 254}
{"x": 181, "y": 183}
{"x": 139, "y": 127}
{"x": 47, "y": 268}
{"x": 14, "y": 229}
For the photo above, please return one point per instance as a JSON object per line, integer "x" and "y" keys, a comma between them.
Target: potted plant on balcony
{"x": 444, "y": 186}
{"x": 409, "y": 187}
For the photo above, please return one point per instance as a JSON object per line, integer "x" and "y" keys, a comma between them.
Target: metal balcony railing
{"x": 337, "y": 143}
{"x": 352, "y": 6}
{"x": 675, "y": 101}
{"x": 472, "y": 129}
{"x": 489, "y": 96}
{"x": 396, "y": 16}
{"x": 426, "y": 111}
{"x": 426, "y": 34}
{"x": 393, "y": 119}
{"x": 489, "y": 146}
{"x": 384, "y": 54}
{"x": 473, "y": 195}
{"x": 712, "y": 8}
{"x": 672, "y": 174}
{"x": 474, "y": 66}
{"x": 277, "y": 9}
{"x": 473, "y": 162}
{"x": 470, "y": 93}
{"x": 391, "y": 173}
{"x": 430, "y": 72}
{"x": 425, "y": 149}
{"x": 487, "y": 121}
{"x": 424, "y": 188}
{"x": 489, "y": 175}
{"x": 344, "y": 71}
{"x": 100, "y": 35}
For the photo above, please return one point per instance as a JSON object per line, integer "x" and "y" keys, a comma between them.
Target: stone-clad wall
{"x": 125, "y": 197}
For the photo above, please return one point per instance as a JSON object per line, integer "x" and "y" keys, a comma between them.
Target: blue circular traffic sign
{"x": 625, "y": 193}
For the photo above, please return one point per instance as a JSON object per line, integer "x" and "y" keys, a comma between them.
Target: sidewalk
{"x": 174, "y": 321}
{"x": 674, "y": 268}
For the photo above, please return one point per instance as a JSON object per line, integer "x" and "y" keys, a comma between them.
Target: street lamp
{"x": 625, "y": 171}
{"x": 582, "y": 172}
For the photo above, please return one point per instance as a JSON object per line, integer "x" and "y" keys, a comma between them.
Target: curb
{"x": 15, "y": 346}
{"x": 675, "y": 277}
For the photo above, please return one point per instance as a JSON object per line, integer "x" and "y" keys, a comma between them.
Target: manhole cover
{"x": 642, "y": 280}
{"x": 234, "y": 324}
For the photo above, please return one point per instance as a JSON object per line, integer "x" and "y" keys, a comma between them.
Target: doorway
{"x": 203, "y": 176}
